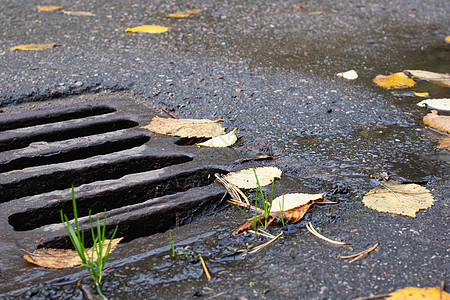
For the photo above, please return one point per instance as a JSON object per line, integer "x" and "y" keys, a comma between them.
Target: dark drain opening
{"x": 52, "y": 154}
{"x": 110, "y": 198}
{"x": 38, "y": 117}
{"x": 165, "y": 213}
{"x": 59, "y": 180}
{"x": 23, "y": 137}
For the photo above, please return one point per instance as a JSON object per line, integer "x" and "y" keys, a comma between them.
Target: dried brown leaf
{"x": 441, "y": 123}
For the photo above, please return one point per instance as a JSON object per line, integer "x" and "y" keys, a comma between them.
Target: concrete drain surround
{"x": 146, "y": 182}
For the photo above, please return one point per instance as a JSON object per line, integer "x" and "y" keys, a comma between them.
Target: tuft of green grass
{"x": 95, "y": 268}
{"x": 266, "y": 202}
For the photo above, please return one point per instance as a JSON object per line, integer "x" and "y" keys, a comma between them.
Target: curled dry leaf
{"x": 186, "y": 128}
{"x": 414, "y": 293}
{"x": 49, "y": 7}
{"x": 394, "y": 81}
{"x": 78, "y": 13}
{"x": 441, "y": 123}
{"x": 148, "y": 29}
{"x": 439, "y": 104}
{"x": 439, "y": 78}
{"x": 402, "y": 199}
{"x": 220, "y": 141}
{"x": 63, "y": 258}
{"x": 350, "y": 75}
{"x": 34, "y": 47}
{"x": 245, "y": 179}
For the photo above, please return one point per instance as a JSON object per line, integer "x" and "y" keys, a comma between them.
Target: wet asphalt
{"x": 269, "y": 69}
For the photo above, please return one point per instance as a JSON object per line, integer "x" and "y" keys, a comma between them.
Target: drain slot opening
{"x": 131, "y": 193}
{"x": 14, "y": 140}
{"x": 52, "y": 154}
{"x": 113, "y": 169}
{"x": 33, "y": 118}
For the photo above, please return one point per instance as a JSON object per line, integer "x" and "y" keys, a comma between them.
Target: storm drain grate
{"x": 146, "y": 182}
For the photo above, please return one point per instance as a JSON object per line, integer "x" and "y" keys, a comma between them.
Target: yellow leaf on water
{"x": 245, "y": 179}
{"x": 148, "y": 29}
{"x": 186, "y": 128}
{"x": 78, "y": 13}
{"x": 63, "y": 258}
{"x": 193, "y": 11}
{"x": 413, "y": 293}
{"x": 220, "y": 141}
{"x": 394, "y": 81}
{"x": 34, "y": 47}
{"x": 403, "y": 199}
{"x": 49, "y": 7}
{"x": 178, "y": 15}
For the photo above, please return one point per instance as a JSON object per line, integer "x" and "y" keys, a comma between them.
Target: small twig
{"x": 86, "y": 291}
{"x": 374, "y": 297}
{"x": 204, "y": 267}
{"x": 169, "y": 113}
{"x": 233, "y": 190}
{"x": 400, "y": 192}
{"x": 326, "y": 202}
{"x": 314, "y": 232}
{"x": 360, "y": 254}
{"x": 257, "y": 248}
{"x": 233, "y": 201}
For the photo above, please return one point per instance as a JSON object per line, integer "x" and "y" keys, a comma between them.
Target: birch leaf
{"x": 291, "y": 201}
{"x": 245, "y": 179}
{"x": 220, "y": 141}
{"x": 441, "y": 123}
{"x": 34, "y": 47}
{"x": 439, "y": 78}
{"x": 394, "y": 81}
{"x": 402, "y": 199}
{"x": 413, "y": 293}
{"x": 350, "y": 75}
{"x": 186, "y": 128}
{"x": 63, "y": 258}
{"x": 148, "y": 29}
{"x": 439, "y": 104}
{"x": 49, "y": 7}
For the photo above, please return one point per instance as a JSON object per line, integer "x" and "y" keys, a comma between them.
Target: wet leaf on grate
{"x": 441, "y": 123}
{"x": 394, "y": 81}
{"x": 34, "y": 47}
{"x": 414, "y": 293}
{"x": 148, "y": 29}
{"x": 245, "y": 179}
{"x": 220, "y": 141}
{"x": 402, "y": 199}
{"x": 78, "y": 13}
{"x": 62, "y": 258}
{"x": 49, "y": 7}
{"x": 438, "y": 78}
{"x": 350, "y": 75}
{"x": 186, "y": 128}
{"x": 439, "y": 104}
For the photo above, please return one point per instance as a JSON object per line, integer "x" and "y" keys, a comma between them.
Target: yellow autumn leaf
{"x": 63, "y": 258}
{"x": 424, "y": 94}
{"x": 315, "y": 13}
{"x": 186, "y": 128}
{"x": 438, "y": 78}
{"x": 402, "y": 199}
{"x": 148, "y": 29}
{"x": 245, "y": 179}
{"x": 78, "y": 13}
{"x": 49, "y": 7}
{"x": 220, "y": 141}
{"x": 447, "y": 38}
{"x": 194, "y": 11}
{"x": 34, "y": 47}
{"x": 394, "y": 81}
{"x": 178, "y": 15}
{"x": 291, "y": 201}
{"x": 413, "y": 293}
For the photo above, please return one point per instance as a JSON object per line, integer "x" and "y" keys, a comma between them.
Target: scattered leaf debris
{"x": 62, "y": 258}
{"x": 403, "y": 199}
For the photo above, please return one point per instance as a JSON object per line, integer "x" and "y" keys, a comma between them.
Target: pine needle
{"x": 314, "y": 232}
{"x": 204, "y": 267}
{"x": 360, "y": 254}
